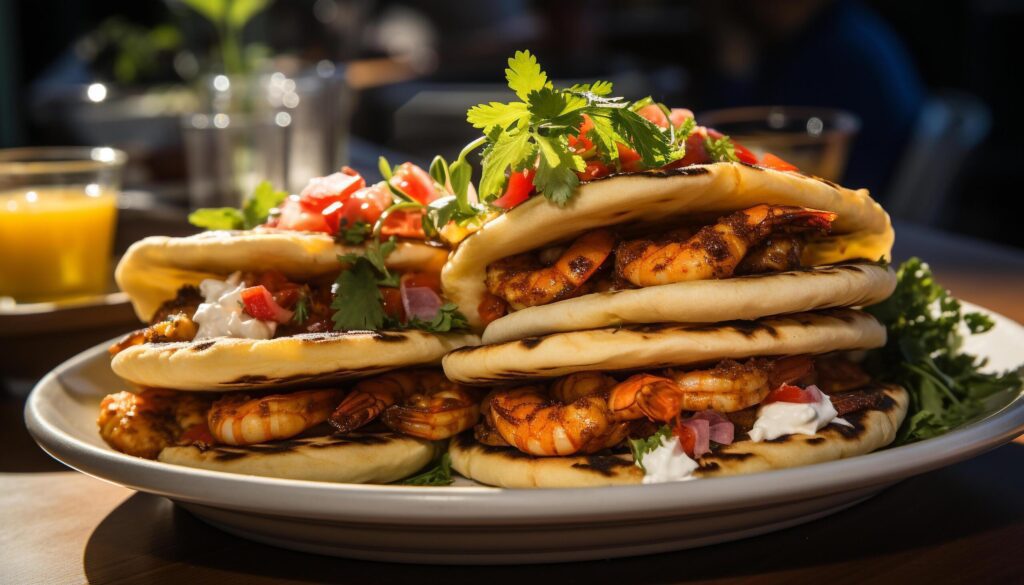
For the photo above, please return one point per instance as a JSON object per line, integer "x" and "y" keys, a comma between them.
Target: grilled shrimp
{"x": 776, "y": 254}
{"x": 421, "y": 403}
{"x": 715, "y": 250}
{"x": 143, "y": 424}
{"x": 243, "y": 420}
{"x": 528, "y": 419}
{"x": 524, "y": 281}
{"x": 574, "y": 386}
{"x": 728, "y": 387}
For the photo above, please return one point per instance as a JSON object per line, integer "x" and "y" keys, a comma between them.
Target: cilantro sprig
{"x": 924, "y": 354}
{"x": 359, "y": 305}
{"x": 536, "y": 131}
{"x": 439, "y": 475}
{"x": 255, "y": 210}
{"x": 641, "y": 447}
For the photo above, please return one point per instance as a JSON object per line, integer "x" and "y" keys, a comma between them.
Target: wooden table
{"x": 961, "y": 524}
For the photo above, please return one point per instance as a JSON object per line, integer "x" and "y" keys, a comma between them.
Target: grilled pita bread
{"x": 358, "y": 458}
{"x": 224, "y": 363}
{"x": 704, "y": 301}
{"x": 873, "y": 428}
{"x": 656, "y": 199}
{"x": 632, "y": 347}
{"x": 153, "y": 269}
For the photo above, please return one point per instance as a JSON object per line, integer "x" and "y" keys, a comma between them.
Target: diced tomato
{"x": 520, "y": 185}
{"x": 654, "y": 114}
{"x": 365, "y": 205}
{"x": 297, "y": 217}
{"x": 629, "y": 159}
{"x": 415, "y": 182}
{"x": 197, "y": 433}
{"x": 679, "y": 115}
{"x": 259, "y": 303}
{"x": 595, "y": 170}
{"x": 491, "y": 308}
{"x": 687, "y": 437}
{"x": 790, "y": 393}
{"x": 404, "y": 224}
{"x": 744, "y": 154}
{"x": 771, "y": 161}
{"x": 393, "y": 303}
{"x": 324, "y": 191}
{"x": 431, "y": 280}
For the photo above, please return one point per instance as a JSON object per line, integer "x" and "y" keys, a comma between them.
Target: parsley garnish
{"x": 923, "y": 354}
{"x": 440, "y": 474}
{"x": 641, "y": 447}
{"x": 301, "y": 311}
{"x": 254, "y": 211}
{"x": 536, "y": 130}
{"x": 354, "y": 234}
{"x": 720, "y": 149}
{"x": 357, "y": 303}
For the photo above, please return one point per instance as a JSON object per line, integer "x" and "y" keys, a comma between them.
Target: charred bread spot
{"x": 826, "y": 181}
{"x": 815, "y": 440}
{"x": 605, "y": 465}
{"x": 659, "y": 174}
{"x": 751, "y": 166}
{"x": 530, "y": 342}
{"x": 203, "y": 346}
{"x": 728, "y": 456}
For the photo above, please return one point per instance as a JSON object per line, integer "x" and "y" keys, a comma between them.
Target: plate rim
{"x": 475, "y": 505}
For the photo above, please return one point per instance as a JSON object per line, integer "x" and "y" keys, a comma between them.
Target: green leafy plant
{"x": 438, "y": 475}
{"x": 229, "y": 17}
{"x": 255, "y": 210}
{"x": 641, "y": 447}
{"x": 924, "y": 354}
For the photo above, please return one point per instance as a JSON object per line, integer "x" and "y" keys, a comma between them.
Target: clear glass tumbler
{"x": 816, "y": 140}
{"x": 58, "y": 211}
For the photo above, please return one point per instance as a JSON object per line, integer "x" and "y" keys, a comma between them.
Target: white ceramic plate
{"x": 468, "y": 524}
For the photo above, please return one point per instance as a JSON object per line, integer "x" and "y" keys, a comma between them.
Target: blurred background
{"x": 209, "y": 96}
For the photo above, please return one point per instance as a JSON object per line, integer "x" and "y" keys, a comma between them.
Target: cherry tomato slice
{"x": 520, "y": 185}
{"x": 404, "y": 224}
{"x": 431, "y": 280}
{"x": 393, "y": 303}
{"x": 323, "y": 191}
{"x": 415, "y": 182}
{"x": 687, "y": 437}
{"x": 595, "y": 170}
{"x": 365, "y": 205}
{"x": 771, "y": 161}
{"x": 680, "y": 115}
{"x": 629, "y": 159}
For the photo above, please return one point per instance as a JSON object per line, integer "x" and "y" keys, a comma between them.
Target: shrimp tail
{"x": 355, "y": 411}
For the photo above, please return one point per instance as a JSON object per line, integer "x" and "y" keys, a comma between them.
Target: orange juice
{"x": 55, "y": 242}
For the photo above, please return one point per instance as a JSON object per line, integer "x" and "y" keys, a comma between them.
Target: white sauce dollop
{"x": 791, "y": 418}
{"x": 221, "y": 315}
{"x": 668, "y": 463}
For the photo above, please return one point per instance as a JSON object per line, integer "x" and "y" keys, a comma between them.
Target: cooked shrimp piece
{"x": 525, "y": 281}
{"x": 436, "y": 413}
{"x": 143, "y": 424}
{"x": 728, "y": 387}
{"x": 528, "y": 419}
{"x": 574, "y": 386}
{"x": 778, "y": 253}
{"x": 243, "y": 420}
{"x": 421, "y": 403}
{"x": 715, "y": 250}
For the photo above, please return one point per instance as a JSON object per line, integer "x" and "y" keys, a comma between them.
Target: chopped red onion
{"x": 420, "y": 302}
{"x": 721, "y": 430}
{"x": 702, "y": 433}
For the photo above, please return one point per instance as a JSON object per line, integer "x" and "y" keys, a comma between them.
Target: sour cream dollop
{"x": 793, "y": 418}
{"x": 221, "y": 315}
{"x": 668, "y": 463}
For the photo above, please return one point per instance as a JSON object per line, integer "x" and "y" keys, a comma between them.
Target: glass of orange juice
{"x": 58, "y": 209}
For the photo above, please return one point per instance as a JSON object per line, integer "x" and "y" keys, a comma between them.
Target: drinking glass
{"x": 58, "y": 211}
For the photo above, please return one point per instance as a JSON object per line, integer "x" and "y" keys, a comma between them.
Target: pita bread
{"x": 742, "y": 297}
{"x": 224, "y": 363}
{"x": 358, "y": 458}
{"x": 656, "y": 346}
{"x": 862, "y": 229}
{"x": 872, "y": 429}
{"x": 153, "y": 269}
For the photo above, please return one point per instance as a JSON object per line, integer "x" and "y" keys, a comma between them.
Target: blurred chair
{"x": 949, "y": 128}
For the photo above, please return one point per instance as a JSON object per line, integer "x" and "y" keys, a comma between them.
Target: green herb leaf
{"x": 448, "y": 318}
{"x": 598, "y": 88}
{"x": 923, "y": 354}
{"x": 301, "y": 310}
{"x": 641, "y": 447}
{"x": 439, "y": 475}
{"x": 643, "y": 136}
{"x": 524, "y": 75}
{"x": 509, "y": 150}
{"x": 556, "y": 172}
{"x": 487, "y": 116}
{"x": 257, "y": 207}
{"x": 217, "y": 218}
{"x": 357, "y": 301}
{"x": 354, "y": 234}
{"x": 721, "y": 149}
